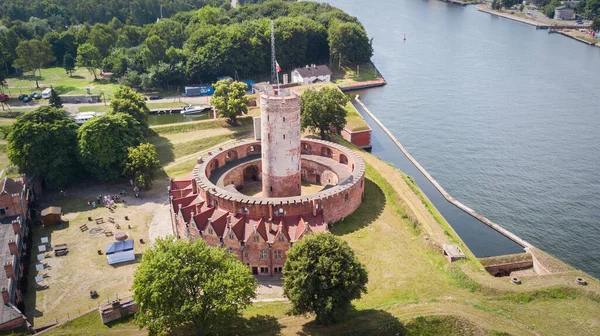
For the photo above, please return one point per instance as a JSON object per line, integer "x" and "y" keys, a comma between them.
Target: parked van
{"x": 46, "y": 93}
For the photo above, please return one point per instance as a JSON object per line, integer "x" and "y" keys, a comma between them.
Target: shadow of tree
{"x": 63, "y": 89}
{"x": 371, "y": 322}
{"x": 370, "y": 209}
{"x": 256, "y": 325}
{"x": 77, "y": 77}
{"x": 164, "y": 148}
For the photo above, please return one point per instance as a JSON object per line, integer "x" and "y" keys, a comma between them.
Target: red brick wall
{"x": 360, "y": 139}
{"x": 339, "y": 206}
{"x": 19, "y": 321}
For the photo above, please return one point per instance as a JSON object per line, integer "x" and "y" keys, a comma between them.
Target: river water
{"x": 505, "y": 117}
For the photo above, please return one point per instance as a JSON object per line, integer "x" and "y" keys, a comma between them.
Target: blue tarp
{"x": 120, "y": 246}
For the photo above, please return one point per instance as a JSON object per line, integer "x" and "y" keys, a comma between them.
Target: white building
{"x": 82, "y": 117}
{"x": 311, "y": 74}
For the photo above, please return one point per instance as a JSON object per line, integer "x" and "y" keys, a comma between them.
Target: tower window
{"x": 284, "y": 136}
{"x": 270, "y": 188}
{"x": 283, "y": 119}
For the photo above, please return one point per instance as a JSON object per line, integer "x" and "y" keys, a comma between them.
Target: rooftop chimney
{"x": 5, "y": 296}
{"x": 16, "y": 224}
{"x": 12, "y": 246}
{"x": 9, "y": 270}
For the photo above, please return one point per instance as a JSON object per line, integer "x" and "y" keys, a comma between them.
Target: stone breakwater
{"x": 446, "y": 195}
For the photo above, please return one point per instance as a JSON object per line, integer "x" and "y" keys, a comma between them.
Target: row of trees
{"x": 181, "y": 283}
{"x": 190, "y": 46}
{"x": 48, "y": 143}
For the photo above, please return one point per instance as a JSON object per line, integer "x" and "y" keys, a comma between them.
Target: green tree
{"x": 230, "y": 99}
{"x": 55, "y": 100}
{"x": 33, "y": 55}
{"x": 322, "y": 276}
{"x": 44, "y": 142}
{"x": 349, "y": 41}
{"x": 596, "y": 24}
{"x": 103, "y": 142}
{"x": 90, "y": 58}
{"x": 102, "y": 37}
{"x": 132, "y": 103}
{"x": 155, "y": 50}
{"x": 69, "y": 64}
{"x": 180, "y": 282}
{"x": 142, "y": 164}
{"x": 323, "y": 110}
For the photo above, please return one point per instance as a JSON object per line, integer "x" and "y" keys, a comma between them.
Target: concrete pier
{"x": 446, "y": 195}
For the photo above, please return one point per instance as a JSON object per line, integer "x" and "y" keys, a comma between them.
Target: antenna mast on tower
{"x": 274, "y": 74}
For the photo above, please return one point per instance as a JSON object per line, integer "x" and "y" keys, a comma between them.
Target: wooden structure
{"x": 51, "y": 216}
{"x": 453, "y": 252}
{"x": 117, "y": 309}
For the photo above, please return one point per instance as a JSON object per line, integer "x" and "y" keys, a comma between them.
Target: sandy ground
{"x": 69, "y": 279}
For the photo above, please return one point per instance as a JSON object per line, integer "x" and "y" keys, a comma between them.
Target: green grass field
{"x": 61, "y": 82}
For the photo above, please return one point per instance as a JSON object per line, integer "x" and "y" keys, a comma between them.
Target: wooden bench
{"x": 108, "y": 233}
{"x": 100, "y": 220}
{"x": 83, "y": 228}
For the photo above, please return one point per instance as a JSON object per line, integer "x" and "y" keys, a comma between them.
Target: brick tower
{"x": 280, "y": 128}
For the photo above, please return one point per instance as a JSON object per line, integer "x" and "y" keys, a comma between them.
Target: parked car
{"x": 3, "y": 97}
{"x": 46, "y": 93}
{"x": 26, "y": 99}
{"x": 155, "y": 97}
{"x": 37, "y": 96}
{"x": 21, "y": 96}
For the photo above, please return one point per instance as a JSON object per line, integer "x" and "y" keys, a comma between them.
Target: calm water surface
{"x": 504, "y": 116}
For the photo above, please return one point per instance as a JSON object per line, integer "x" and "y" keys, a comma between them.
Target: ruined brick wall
{"x": 316, "y": 173}
{"x": 280, "y": 139}
{"x": 238, "y": 175}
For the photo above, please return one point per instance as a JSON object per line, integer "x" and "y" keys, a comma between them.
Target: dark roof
{"x": 54, "y": 210}
{"x": 313, "y": 71}
{"x": 120, "y": 246}
{"x": 9, "y": 186}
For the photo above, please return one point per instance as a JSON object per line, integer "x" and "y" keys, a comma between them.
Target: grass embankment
{"x": 151, "y": 105}
{"x": 412, "y": 289}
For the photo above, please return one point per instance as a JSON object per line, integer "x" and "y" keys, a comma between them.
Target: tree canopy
{"x": 44, "y": 142}
{"x": 230, "y": 99}
{"x": 199, "y": 40}
{"x": 89, "y": 57}
{"x": 33, "y": 55}
{"x": 103, "y": 142}
{"x": 132, "y": 103}
{"x": 323, "y": 110}
{"x": 322, "y": 276}
{"x": 180, "y": 282}
{"x": 142, "y": 164}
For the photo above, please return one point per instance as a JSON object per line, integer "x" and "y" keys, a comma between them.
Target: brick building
{"x": 261, "y": 229}
{"x": 15, "y": 198}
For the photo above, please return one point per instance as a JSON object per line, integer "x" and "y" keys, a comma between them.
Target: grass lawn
{"x": 346, "y": 74}
{"x": 62, "y": 83}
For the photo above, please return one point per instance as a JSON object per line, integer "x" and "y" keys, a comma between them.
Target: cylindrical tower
{"x": 280, "y": 128}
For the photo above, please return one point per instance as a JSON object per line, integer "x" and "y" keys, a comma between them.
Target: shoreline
{"x": 445, "y": 194}
{"x": 540, "y": 25}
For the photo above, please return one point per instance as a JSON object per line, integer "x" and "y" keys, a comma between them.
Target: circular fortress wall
{"x": 334, "y": 164}
{"x": 280, "y": 128}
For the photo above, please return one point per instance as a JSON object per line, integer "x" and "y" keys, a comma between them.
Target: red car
{"x": 3, "y": 97}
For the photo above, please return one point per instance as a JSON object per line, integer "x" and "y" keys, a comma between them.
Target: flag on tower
{"x": 278, "y": 67}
